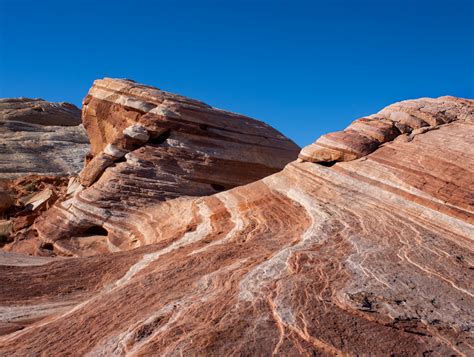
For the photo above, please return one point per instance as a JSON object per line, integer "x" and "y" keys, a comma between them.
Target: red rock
{"x": 364, "y": 135}
{"x": 5, "y": 200}
{"x": 29, "y": 196}
{"x": 40, "y": 200}
{"x": 150, "y": 146}
{"x": 39, "y": 111}
{"x": 5, "y": 230}
{"x": 344, "y": 145}
{"x": 21, "y": 222}
{"x": 371, "y": 256}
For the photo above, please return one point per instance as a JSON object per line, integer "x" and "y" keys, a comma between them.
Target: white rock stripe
{"x": 203, "y": 229}
{"x": 231, "y": 205}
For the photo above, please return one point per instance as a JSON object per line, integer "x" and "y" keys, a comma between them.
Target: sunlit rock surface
{"x": 40, "y": 137}
{"x": 149, "y": 146}
{"x": 372, "y": 256}
{"x": 365, "y": 135}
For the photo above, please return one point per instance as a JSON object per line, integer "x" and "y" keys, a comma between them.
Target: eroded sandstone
{"x": 40, "y": 137}
{"x": 365, "y": 135}
{"x": 150, "y": 146}
{"x": 371, "y": 256}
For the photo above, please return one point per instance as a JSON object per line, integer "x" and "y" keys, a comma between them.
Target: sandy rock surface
{"x": 369, "y": 256}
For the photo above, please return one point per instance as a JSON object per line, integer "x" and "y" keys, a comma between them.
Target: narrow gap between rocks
{"x": 217, "y": 187}
{"x": 327, "y": 164}
{"x": 160, "y": 139}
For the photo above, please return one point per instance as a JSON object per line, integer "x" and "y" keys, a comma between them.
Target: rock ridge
{"x": 406, "y": 119}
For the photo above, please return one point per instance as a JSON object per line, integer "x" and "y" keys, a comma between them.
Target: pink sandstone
{"x": 370, "y": 256}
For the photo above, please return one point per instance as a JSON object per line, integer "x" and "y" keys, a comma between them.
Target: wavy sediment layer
{"x": 365, "y": 135}
{"x": 149, "y": 146}
{"x": 369, "y": 256}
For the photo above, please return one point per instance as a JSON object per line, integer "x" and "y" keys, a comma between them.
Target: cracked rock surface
{"x": 370, "y": 256}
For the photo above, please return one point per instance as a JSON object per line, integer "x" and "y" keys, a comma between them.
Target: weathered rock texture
{"x": 22, "y": 200}
{"x": 150, "y": 146}
{"x": 372, "y": 256}
{"x": 40, "y": 137}
{"x": 365, "y": 135}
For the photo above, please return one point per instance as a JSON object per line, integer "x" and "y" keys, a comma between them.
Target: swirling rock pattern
{"x": 40, "y": 137}
{"x": 369, "y": 256}
{"x": 365, "y": 135}
{"x": 149, "y": 146}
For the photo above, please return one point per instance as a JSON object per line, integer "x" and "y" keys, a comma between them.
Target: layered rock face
{"x": 365, "y": 135}
{"x": 149, "y": 146}
{"x": 368, "y": 256}
{"x": 40, "y": 137}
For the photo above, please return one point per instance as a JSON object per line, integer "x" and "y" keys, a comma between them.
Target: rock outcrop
{"x": 365, "y": 135}
{"x": 40, "y": 137}
{"x": 371, "y": 256}
{"x": 149, "y": 146}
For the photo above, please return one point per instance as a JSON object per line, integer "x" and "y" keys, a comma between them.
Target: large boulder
{"x": 149, "y": 146}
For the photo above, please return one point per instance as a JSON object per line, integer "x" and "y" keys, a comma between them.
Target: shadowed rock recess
{"x": 364, "y": 245}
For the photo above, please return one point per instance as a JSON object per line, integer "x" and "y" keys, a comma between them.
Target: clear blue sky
{"x": 305, "y": 67}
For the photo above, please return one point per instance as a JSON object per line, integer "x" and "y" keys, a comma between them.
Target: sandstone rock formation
{"x": 365, "y": 135}
{"x": 40, "y": 137}
{"x": 370, "y": 256}
{"x": 150, "y": 146}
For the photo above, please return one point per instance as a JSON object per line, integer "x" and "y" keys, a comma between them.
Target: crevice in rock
{"x": 327, "y": 164}
{"x": 95, "y": 231}
{"x": 48, "y": 246}
{"x": 159, "y": 139}
{"x": 218, "y": 187}
{"x": 122, "y": 159}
